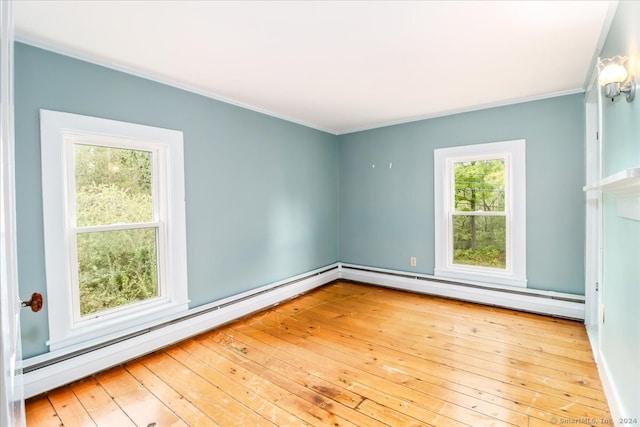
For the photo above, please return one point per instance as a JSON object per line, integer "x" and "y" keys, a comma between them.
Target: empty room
{"x": 310, "y": 213}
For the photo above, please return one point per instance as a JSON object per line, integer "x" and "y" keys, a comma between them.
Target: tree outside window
{"x": 480, "y": 213}
{"x": 479, "y": 221}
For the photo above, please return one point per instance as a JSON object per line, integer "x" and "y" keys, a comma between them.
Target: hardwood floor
{"x": 351, "y": 355}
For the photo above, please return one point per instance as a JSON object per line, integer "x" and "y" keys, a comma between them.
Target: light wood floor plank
{"x": 350, "y": 355}
{"x": 507, "y": 373}
{"x": 100, "y": 406}
{"x": 178, "y": 404}
{"x": 219, "y": 404}
{"x": 253, "y": 391}
{"x": 477, "y": 347}
{"x": 504, "y": 374}
{"x": 142, "y": 406}
{"x": 327, "y": 411}
{"x": 520, "y": 335}
{"x": 69, "y": 408}
{"x": 337, "y": 376}
{"x": 40, "y": 412}
{"x": 390, "y": 378}
{"x": 298, "y": 371}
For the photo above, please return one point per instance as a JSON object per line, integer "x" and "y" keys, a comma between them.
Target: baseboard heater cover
{"x": 46, "y": 372}
{"x": 536, "y": 301}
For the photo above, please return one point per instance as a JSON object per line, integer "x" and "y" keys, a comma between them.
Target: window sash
{"x": 161, "y": 253}
{"x": 450, "y": 196}
{"x": 508, "y": 269}
{"x": 158, "y": 213}
{"x": 158, "y": 172}
{"x": 481, "y": 213}
{"x": 451, "y": 165}
{"x": 116, "y": 227}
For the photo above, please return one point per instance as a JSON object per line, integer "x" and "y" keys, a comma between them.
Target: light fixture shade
{"x": 612, "y": 70}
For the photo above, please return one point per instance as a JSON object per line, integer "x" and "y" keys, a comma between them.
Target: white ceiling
{"x": 335, "y": 66}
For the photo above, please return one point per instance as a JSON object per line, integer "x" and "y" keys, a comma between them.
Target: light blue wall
{"x": 267, "y": 199}
{"x": 620, "y": 333}
{"x": 387, "y": 214}
{"x": 261, "y": 192}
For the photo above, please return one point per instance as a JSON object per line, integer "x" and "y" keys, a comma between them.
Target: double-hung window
{"x": 114, "y": 217}
{"x": 480, "y": 211}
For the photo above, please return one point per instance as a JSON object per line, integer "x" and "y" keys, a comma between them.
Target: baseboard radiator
{"x": 543, "y": 302}
{"x": 51, "y": 370}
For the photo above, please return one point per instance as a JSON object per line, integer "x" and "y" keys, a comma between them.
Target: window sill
{"x": 110, "y": 328}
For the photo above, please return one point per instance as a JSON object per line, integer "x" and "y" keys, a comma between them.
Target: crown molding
{"x": 465, "y": 110}
{"x": 96, "y": 60}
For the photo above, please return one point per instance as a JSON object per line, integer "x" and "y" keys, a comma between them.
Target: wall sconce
{"x": 615, "y": 78}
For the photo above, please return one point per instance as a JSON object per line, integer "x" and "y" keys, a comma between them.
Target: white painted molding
{"x": 535, "y": 301}
{"x": 83, "y": 56}
{"x": 158, "y": 78}
{"x": 478, "y": 107}
{"x": 201, "y": 319}
{"x": 60, "y": 132}
{"x": 592, "y": 334}
{"x": 611, "y": 392}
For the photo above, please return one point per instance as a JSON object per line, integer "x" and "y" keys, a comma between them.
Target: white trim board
{"x": 54, "y": 374}
{"x": 611, "y": 392}
{"x": 543, "y": 302}
{"x": 616, "y": 409}
{"x": 92, "y": 59}
{"x": 485, "y": 106}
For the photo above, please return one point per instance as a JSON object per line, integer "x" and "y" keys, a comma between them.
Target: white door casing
{"x": 593, "y": 219}
{"x": 11, "y": 402}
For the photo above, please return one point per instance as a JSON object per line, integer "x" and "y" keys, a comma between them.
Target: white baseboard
{"x": 536, "y": 301}
{"x": 594, "y": 340}
{"x": 52, "y": 375}
{"x": 42, "y": 374}
{"x": 610, "y": 391}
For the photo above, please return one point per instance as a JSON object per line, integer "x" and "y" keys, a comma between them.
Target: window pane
{"x": 116, "y": 268}
{"x": 479, "y": 186}
{"x": 479, "y": 240}
{"x": 113, "y": 185}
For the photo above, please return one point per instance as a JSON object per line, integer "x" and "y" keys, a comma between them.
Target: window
{"x": 480, "y": 213}
{"x": 115, "y": 244}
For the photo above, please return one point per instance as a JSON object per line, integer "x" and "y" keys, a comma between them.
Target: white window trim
{"x": 65, "y": 331}
{"x": 515, "y": 206}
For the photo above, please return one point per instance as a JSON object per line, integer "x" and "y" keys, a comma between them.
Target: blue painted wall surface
{"x": 267, "y": 199}
{"x": 620, "y": 334}
{"x": 387, "y": 214}
{"x": 261, "y": 192}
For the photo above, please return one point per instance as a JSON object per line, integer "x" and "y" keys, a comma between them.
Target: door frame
{"x": 11, "y": 390}
{"x": 593, "y": 214}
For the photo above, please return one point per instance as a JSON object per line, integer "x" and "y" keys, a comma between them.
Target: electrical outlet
{"x": 413, "y": 261}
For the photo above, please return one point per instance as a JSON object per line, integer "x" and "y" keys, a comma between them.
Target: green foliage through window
{"x": 115, "y": 267}
{"x": 479, "y": 224}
